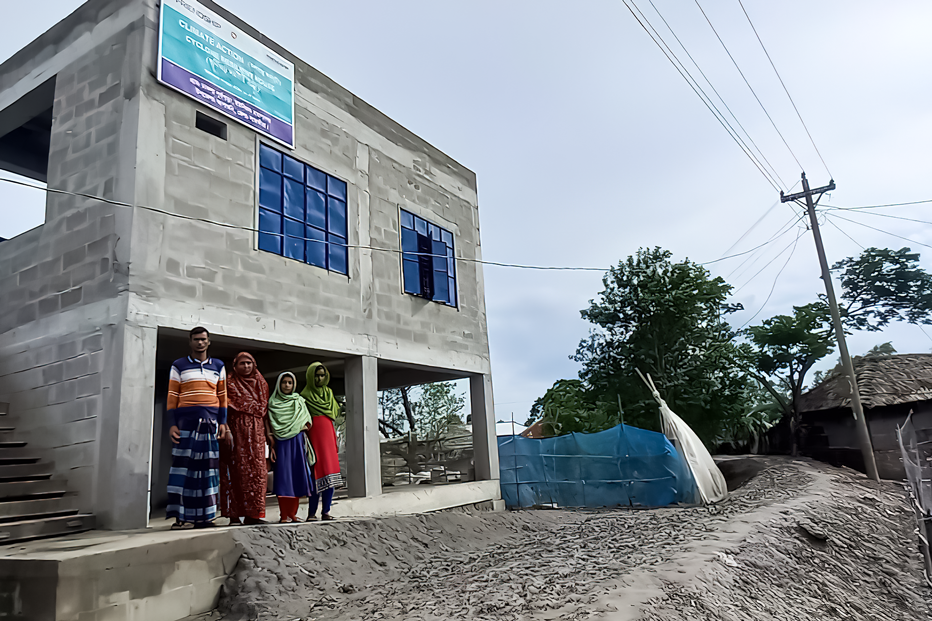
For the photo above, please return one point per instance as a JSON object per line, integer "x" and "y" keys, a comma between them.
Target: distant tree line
{"x": 670, "y": 320}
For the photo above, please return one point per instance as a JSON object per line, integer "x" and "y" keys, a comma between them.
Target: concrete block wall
{"x": 187, "y": 272}
{"x": 63, "y": 310}
{"x": 86, "y": 292}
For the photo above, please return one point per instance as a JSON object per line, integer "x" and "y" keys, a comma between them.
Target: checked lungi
{"x": 194, "y": 478}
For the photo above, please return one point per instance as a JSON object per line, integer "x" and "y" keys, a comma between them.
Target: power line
{"x": 832, "y": 222}
{"x": 763, "y": 47}
{"x": 727, "y": 51}
{"x": 880, "y": 206}
{"x": 759, "y": 220}
{"x": 884, "y": 215}
{"x": 780, "y": 254}
{"x": 356, "y": 246}
{"x": 253, "y": 230}
{"x": 708, "y": 104}
{"x": 786, "y": 228}
{"x": 912, "y": 241}
{"x": 774, "y": 286}
{"x": 753, "y": 226}
{"x": 714, "y": 90}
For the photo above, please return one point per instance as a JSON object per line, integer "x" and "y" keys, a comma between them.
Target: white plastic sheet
{"x": 709, "y": 479}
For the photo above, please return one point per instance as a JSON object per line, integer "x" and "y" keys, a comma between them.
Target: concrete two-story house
{"x": 199, "y": 174}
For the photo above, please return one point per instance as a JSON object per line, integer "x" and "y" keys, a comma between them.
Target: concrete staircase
{"x": 32, "y": 504}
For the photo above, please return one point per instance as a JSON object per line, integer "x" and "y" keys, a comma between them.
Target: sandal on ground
{"x": 311, "y": 518}
{"x": 326, "y": 517}
{"x": 182, "y": 526}
{"x": 200, "y": 525}
{"x": 254, "y": 521}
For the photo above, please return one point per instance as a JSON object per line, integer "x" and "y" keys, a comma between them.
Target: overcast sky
{"x": 588, "y": 144}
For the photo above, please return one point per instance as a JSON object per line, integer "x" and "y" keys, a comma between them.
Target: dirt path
{"x": 746, "y": 558}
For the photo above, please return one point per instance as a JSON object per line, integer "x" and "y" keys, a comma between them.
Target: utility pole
{"x": 864, "y": 438}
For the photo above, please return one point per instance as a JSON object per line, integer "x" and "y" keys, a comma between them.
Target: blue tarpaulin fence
{"x": 621, "y": 466}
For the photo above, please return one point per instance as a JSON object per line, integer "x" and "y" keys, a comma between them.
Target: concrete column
{"x": 484, "y": 440}
{"x": 126, "y": 431}
{"x": 363, "y": 458}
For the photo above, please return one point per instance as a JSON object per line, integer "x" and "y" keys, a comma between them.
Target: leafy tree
{"x": 786, "y": 347}
{"x": 666, "y": 319}
{"x": 437, "y": 408}
{"x": 570, "y": 407}
{"x": 883, "y": 285}
{"x": 392, "y": 419}
{"x": 428, "y": 410}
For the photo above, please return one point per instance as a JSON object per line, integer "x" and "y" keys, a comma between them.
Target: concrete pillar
{"x": 363, "y": 458}
{"x": 484, "y": 440}
{"x": 126, "y": 431}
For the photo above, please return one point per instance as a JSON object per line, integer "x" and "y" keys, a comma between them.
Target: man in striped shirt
{"x": 197, "y": 409}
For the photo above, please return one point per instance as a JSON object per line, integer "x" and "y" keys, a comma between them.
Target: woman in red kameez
{"x": 243, "y": 468}
{"x": 324, "y": 411}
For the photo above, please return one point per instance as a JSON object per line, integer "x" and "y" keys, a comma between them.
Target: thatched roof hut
{"x": 882, "y": 380}
{"x": 890, "y": 387}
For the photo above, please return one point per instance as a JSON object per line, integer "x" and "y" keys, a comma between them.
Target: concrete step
{"x": 4, "y": 408}
{"x": 25, "y": 490}
{"x": 14, "y": 532}
{"x": 26, "y": 472}
{"x": 15, "y": 449}
{"x": 17, "y": 455}
{"x": 20, "y": 510}
{"x": 106, "y": 575}
{"x": 11, "y": 444}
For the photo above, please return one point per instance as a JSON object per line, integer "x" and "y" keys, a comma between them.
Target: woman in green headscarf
{"x": 324, "y": 411}
{"x": 287, "y": 423}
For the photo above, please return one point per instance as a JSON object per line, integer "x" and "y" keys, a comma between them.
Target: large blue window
{"x": 302, "y": 211}
{"x": 428, "y": 266}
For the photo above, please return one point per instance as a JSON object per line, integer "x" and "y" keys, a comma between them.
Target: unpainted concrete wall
{"x": 186, "y": 272}
{"x": 63, "y": 309}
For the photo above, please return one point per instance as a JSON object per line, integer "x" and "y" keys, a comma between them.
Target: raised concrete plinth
{"x": 164, "y": 575}
{"x": 410, "y": 499}
{"x": 128, "y": 576}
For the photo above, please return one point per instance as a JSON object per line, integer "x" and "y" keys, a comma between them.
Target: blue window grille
{"x": 302, "y": 212}
{"x": 427, "y": 259}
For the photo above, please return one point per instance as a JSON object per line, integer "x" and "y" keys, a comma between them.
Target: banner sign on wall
{"x": 207, "y": 58}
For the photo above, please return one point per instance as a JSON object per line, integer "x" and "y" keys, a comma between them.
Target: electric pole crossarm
{"x": 807, "y": 193}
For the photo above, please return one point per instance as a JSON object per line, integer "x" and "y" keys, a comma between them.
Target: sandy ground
{"x": 758, "y": 555}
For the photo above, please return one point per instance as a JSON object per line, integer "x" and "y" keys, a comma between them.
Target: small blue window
{"x": 270, "y": 227}
{"x": 294, "y": 169}
{"x": 336, "y": 217}
{"x": 316, "y": 209}
{"x": 412, "y": 277}
{"x": 316, "y": 247}
{"x": 316, "y": 179}
{"x": 294, "y": 199}
{"x": 270, "y": 158}
{"x": 407, "y": 220}
{"x": 336, "y": 188}
{"x": 337, "y": 256}
{"x": 294, "y": 195}
{"x": 270, "y": 190}
{"x": 428, "y": 263}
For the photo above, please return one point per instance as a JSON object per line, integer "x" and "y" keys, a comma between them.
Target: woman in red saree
{"x": 243, "y": 468}
{"x": 324, "y": 411}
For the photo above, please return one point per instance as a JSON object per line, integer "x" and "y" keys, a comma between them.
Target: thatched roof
{"x": 882, "y": 380}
